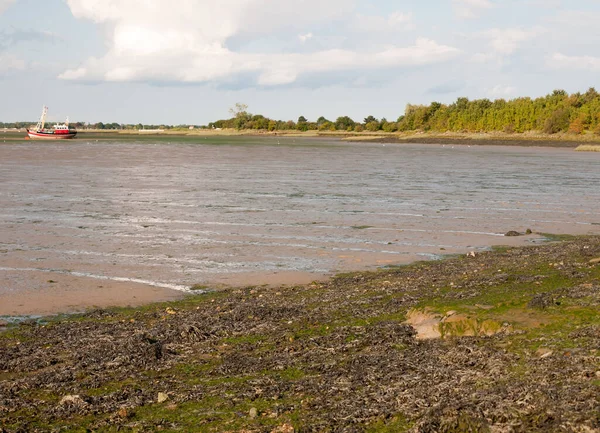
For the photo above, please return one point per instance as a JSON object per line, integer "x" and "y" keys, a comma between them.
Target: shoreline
{"x": 528, "y": 139}
{"x": 74, "y": 293}
{"x": 511, "y": 323}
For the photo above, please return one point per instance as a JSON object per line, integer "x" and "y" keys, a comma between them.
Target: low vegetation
{"x": 588, "y": 148}
{"x": 333, "y": 356}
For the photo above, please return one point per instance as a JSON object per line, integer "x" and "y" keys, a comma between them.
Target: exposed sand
{"x": 68, "y": 293}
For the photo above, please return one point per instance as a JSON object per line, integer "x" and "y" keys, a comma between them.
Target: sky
{"x": 190, "y": 61}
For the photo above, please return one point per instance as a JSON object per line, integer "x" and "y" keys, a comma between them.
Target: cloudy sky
{"x": 189, "y": 61}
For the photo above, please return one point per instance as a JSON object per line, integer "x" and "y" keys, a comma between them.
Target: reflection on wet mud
{"x": 248, "y": 211}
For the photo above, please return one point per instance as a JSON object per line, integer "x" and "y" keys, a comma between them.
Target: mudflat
{"x": 96, "y": 223}
{"x": 516, "y": 348}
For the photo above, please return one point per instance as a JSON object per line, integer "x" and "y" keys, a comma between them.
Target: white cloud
{"x": 562, "y": 61}
{"x": 4, "y": 4}
{"x": 503, "y": 42}
{"x": 507, "y": 41}
{"x": 470, "y": 8}
{"x": 150, "y": 40}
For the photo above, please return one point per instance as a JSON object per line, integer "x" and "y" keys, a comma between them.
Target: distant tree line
{"x": 553, "y": 113}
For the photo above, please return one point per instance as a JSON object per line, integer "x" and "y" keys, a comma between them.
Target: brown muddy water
{"x": 102, "y": 223}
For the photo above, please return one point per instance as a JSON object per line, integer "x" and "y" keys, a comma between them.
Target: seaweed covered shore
{"x": 501, "y": 341}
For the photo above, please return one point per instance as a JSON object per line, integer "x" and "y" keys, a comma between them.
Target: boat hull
{"x": 36, "y": 135}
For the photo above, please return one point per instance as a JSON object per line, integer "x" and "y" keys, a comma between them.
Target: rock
{"x": 425, "y": 323}
{"x": 594, "y": 261}
{"x": 528, "y": 232}
{"x": 541, "y": 300}
{"x": 162, "y": 397}
{"x": 123, "y": 412}
{"x": 513, "y": 233}
{"x": 75, "y": 400}
{"x": 471, "y": 254}
{"x": 253, "y": 413}
{"x": 543, "y": 352}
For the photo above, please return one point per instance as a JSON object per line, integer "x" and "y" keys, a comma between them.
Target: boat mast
{"x": 42, "y": 121}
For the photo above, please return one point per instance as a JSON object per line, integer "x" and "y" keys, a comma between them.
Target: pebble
{"x": 594, "y": 261}
{"x": 162, "y": 397}
{"x": 253, "y": 412}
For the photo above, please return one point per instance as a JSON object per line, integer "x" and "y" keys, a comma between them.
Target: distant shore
{"x": 590, "y": 142}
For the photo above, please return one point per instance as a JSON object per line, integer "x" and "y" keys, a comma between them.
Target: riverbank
{"x": 517, "y": 349}
{"x": 527, "y": 139}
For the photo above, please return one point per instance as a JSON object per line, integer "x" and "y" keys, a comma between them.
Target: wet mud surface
{"x": 329, "y": 356}
{"x": 92, "y": 216}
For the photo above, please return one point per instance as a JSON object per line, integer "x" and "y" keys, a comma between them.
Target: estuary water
{"x": 91, "y": 215}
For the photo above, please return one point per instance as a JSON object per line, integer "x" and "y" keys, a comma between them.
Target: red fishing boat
{"x": 57, "y": 132}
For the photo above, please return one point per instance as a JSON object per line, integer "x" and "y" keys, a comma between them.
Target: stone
{"x": 594, "y": 261}
{"x": 75, "y": 400}
{"x": 162, "y": 397}
{"x": 541, "y": 301}
{"x": 253, "y": 413}
{"x": 425, "y": 323}
{"x": 543, "y": 352}
{"x": 528, "y": 232}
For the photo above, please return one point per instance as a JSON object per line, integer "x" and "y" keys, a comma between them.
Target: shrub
{"x": 557, "y": 122}
{"x": 576, "y": 126}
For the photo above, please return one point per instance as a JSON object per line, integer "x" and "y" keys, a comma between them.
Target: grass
{"x": 588, "y": 148}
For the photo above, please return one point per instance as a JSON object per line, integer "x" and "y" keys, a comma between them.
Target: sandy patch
{"x": 68, "y": 293}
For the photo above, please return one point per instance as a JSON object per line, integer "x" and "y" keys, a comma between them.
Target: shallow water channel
{"x": 240, "y": 210}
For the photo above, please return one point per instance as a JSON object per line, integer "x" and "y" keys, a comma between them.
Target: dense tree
{"x": 344, "y": 123}
{"x": 556, "y": 112}
{"x": 321, "y": 120}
